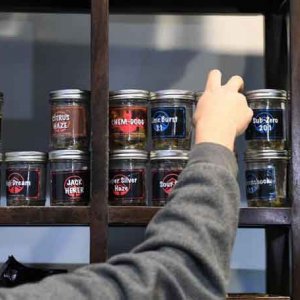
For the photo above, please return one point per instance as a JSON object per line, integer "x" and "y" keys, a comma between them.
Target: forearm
{"x": 187, "y": 247}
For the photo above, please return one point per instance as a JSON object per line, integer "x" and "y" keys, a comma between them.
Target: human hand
{"x": 222, "y": 112}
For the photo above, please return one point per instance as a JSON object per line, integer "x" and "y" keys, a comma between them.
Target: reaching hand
{"x": 222, "y": 112}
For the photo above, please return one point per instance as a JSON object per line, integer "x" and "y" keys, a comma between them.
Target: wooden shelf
{"x": 249, "y": 217}
{"x": 256, "y": 297}
{"x": 44, "y": 216}
{"x": 147, "y": 6}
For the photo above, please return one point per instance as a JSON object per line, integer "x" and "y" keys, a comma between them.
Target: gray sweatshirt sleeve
{"x": 187, "y": 248}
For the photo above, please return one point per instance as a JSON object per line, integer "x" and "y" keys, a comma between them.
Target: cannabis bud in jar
{"x": 166, "y": 166}
{"x": 128, "y": 119}
{"x": 25, "y": 178}
{"x": 171, "y": 119}
{"x": 69, "y": 178}
{"x": 127, "y": 177}
{"x": 268, "y": 127}
{"x": 70, "y": 119}
{"x": 266, "y": 178}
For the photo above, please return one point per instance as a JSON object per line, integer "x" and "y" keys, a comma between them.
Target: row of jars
{"x": 129, "y": 176}
{"x": 170, "y": 114}
{"x": 26, "y": 173}
{"x": 171, "y": 119}
{"x": 265, "y": 174}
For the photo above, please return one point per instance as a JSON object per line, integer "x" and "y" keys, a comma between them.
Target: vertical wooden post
{"x": 99, "y": 119}
{"x": 276, "y": 71}
{"x": 295, "y": 133}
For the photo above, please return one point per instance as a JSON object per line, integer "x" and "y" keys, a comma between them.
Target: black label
{"x": 24, "y": 183}
{"x": 70, "y": 186}
{"x": 261, "y": 184}
{"x": 168, "y": 122}
{"x": 267, "y": 124}
{"x": 163, "y": 183}
{"x": 127, "y": 185}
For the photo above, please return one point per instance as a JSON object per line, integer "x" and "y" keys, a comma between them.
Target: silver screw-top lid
{"x": 253, "y": 155}
{"x": 129, "y": 94}
{"x": 173, "y": 94}
{"x": 29, "y": 156}
{"x": 74, "y": 94}
{"x": 68, "y": 154}
{"x": 266, "y": 94}
{"x": 198, "y": 94}
{"x": 169, "y": 154}
{"x": 129, "y": 154}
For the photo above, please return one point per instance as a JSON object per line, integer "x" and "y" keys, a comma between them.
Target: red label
{"x": 168, "y": 182}
{"x": 23, "y": 183}
{"x": 16, "y": 183}
{"x": 74, "y": 186}
{"x": 69, "y": 121}
{"x": 126, "y": 120}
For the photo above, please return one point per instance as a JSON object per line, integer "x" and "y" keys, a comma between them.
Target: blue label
{"x": 267, "y": 124}
{"x": 168, "y": 122}
{"x": 261, "y": 184}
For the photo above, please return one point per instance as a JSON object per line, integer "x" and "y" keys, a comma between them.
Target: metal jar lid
{"x": 29, "y": 156}
{"x": 129, "y": 94}
{"x": 198, "y": 94}
{"x": 73, "y": 94}
{"x": 266, "y": 94}
{"x": 129, "y": 154}
{"x": 173, "y": 94}
{"x": 254, "y": 155}
{"x": 68, "y": 154}
{"x": 169, "y": 154}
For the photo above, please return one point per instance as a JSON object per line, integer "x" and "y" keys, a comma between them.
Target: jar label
{"x": 128, "y": 120}
{"x": 163, "y": 183}
{"x": 261, "y": 184}
{"x": 266, "y": 124}
{"x": 23, "y": 183}
{"x": 127, "y": 185}
{"x": 69, "y": 121}
{"x": 70, "y": 186}
{"x": 168, "y": 122}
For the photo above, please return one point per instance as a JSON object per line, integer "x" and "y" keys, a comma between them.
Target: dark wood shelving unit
{"x": 282, "y": 225}
{"x": 35, "y": 215}
{"x": 249, "y": 217}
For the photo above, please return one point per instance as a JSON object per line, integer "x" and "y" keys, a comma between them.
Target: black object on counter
{"x": 13, "y": 273}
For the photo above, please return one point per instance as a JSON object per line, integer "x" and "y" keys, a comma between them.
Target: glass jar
{"x": 127, "y": 177}
{"x": 69, "y": 178}
{"x": 266, "y": 178}
{"x": 25, "y": 178}
{"x": 128, "y": 119}
{"x": 171, "y": 119}
{"x": 70, "y": 119}
{"x": 166, "y": 166}
{"x": 268, "y": 127}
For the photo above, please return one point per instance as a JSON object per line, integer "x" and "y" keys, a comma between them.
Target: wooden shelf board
{"x": 147, "y": 6}
{"x": 256, "y": 297}
{"x": 249, "y": 217}
{"x": 44, "y": 216}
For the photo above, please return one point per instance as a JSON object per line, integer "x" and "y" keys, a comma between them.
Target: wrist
{"x": 223, "y": 135}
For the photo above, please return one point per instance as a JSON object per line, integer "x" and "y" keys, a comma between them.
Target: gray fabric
{"x": 186, "y": 251}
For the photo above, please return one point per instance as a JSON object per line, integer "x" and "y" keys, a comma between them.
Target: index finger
{"x": 213, "y": 80}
